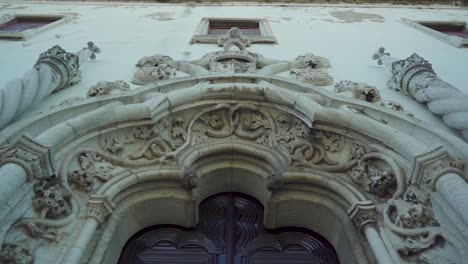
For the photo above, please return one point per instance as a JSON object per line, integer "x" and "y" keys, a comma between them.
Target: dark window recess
{"x": 221, "y": 27}
{"x": 230, "y": 231}
{"x": 449, "y": 29}
{"x": 20, "y": 24}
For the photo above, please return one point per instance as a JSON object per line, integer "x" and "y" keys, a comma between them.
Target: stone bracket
{"x": 34, "y": 157}
{"x": 428, "y": 167}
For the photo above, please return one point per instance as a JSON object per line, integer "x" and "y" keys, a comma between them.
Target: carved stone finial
{"x": 234, "y": 38}
{"x": 51, "y": 198}
{"x": 105, "y": 88}
{"x": 16, "y": 253}
{"x": 94, "y": 50}
{"x": 153, "y": 68}
{"x": 189, "y": 181}
{"x": 363, "y": 213}
{"x": 65, "y": 66}
{"x": 99, "y": 208}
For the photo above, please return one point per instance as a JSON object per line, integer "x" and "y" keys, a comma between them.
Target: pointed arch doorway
{"x": 230, "y": 231}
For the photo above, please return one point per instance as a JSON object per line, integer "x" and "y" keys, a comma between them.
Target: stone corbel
{"x": 427, "y": 168}
{"x": 99, "y": 208}
{"x": 34, "y": 157}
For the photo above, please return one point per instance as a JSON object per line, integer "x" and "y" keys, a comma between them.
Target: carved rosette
{"x": 51, "y": 199}
{"x": 65, "y": 66}
{"x": 99, "y": 208}
{"x": 16, "y": 253}
{"x": 106, "y": 88}
{"x": 362, "y": 214}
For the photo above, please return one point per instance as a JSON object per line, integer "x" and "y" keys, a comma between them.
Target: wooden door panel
{"x": 230, "y": 231}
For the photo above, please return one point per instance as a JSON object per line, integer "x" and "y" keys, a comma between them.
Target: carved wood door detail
{"x": 230, "y": 231}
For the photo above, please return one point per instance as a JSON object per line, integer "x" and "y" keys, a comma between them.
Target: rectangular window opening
{"x": 221, "y": 27}
{"x": 19, "y": 24}
{"x": 22, "y": 27}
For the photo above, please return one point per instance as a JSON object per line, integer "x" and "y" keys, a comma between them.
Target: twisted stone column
{"x": 54, "y": 70}
{"x": 415, "y": 77}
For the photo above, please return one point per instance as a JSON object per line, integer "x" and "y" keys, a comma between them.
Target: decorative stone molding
{"x": 311, "y": 68}
{"x": 427, "y": 168}
{"x": 153, "y": 68}
{"x": 99, "y": 208}
{"x": 365, "y": 92}
{"x": 68, "y": 102}
{"x": 106, "y": 88}
{"x": 92, "y": 166}
{"x": 362, "y": 214}
{"x": 233, "y": 39}
{"x": 62, "y": 71}
{"x": 232, "y": 61}
{"x": 51, "y": 199}
{"x": 415, "y": 77}
{"x": 32, "y": 156}
{"x": 274, "y": 182}
{"x": 16, "y": 253}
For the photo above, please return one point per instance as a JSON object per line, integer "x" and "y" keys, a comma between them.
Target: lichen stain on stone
{"x": 161, "y": 16}
{"x": 353, "y": 17}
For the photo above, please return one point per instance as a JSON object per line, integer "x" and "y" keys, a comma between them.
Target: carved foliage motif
{"x": 373, "y": 177}
{"x": 105, "y": 88}
{"x": 51, "y": 199}
{"x": 153, "y": 68}
{"x": 16, "y": 253}
{"x": 92, "y": 167}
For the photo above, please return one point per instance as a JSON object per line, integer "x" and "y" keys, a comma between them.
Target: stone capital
{"x": 363, "y": 213}
{"x": 429, "y": 167}
{"x": 34, "y": 157}
{"x": 99, "y": 208}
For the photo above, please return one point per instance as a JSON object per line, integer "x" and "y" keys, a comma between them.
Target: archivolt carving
{"x": 16, "y": 253}
{"x": 92, "y": 166}
{"x": 51, "y": 199}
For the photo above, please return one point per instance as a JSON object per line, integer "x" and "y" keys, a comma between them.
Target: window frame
{"x": 453, "y": 40}
{"x": 28, "y": 33}
{"x": 266, "y": 34}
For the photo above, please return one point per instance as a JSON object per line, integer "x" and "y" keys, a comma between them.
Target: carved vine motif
{"x": 92, "y": 167}
{"x": 373, "y": 177}
{"x": 16, "y": 253}
{"x": 51, "y": 199}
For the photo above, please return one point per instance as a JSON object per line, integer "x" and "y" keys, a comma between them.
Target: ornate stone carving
{"x": 32, "y": 156}
{"x": 16, "y": 253}
{"x": 51, "y": 199}
{"x": 99, "y": 208}
{"x": 432, "y": 258}
{"x": 361, "y": 91}
{"x": 393, "y": 106}
{"x": 92, "y": 166}
{"x": 362, "y": 214}
{"x": 374, "y": 177}
{"x": 65, "y": 66}
{"x": 415, "y": 77}
{"x": 311, "y": 68}
{"x": 153, "y": 68}
{"x": 233, "y": 40}
{"x": 274, "y": 182}
{"x": 105, "y": 88}
{"x": 232, "y": 61}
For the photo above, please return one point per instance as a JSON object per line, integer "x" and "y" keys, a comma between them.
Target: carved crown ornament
{"x": 34, "y": 157}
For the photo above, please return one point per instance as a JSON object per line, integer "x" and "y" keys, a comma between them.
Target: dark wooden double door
{"x": 230, "y": 231}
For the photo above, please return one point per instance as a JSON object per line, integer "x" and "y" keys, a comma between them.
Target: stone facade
{"x": 337, "y": 157}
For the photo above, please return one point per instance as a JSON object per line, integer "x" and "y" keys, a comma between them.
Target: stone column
{"x": 415, "y": 77}
{"x": 99, "y": 208}
{"x": 12, "y": 177}
{"x": 455, "y": 191}
{"x": 364, "y": 217}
